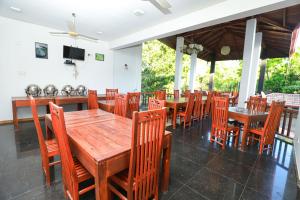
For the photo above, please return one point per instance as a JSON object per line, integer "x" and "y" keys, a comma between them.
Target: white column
{"x": 178, "y": 64}
{"x": 247, "y": 61}
{"x": 255, "y": 64}
{"x": 192, "y": 71}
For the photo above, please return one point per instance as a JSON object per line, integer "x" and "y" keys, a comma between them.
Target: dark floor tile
{"x": 186, "y": 193}
{"x": 214, "y": 186}
{"x": 275, "y": 186}
{"x": 173, "y": 187}
{"x": 239, "y": 157}
{"x": 249, "y": 194}
{"x": 230, "y": 169}
{"x": 183, "y": 169}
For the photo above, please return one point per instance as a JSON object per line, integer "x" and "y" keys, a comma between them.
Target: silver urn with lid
{"x": 33, "y": 90}
{"x": 81, "y": 90}
{"x": 50, "y": 90}
{"x": 68, "y": 90}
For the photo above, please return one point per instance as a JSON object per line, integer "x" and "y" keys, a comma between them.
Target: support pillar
{"x": 192, "y": 70}
{"x": 247, "y": 61}
{"x": 261, "y": 79}
{"x": 212, "y": 72}
{"x": 255, "y": 64}
{"x": 178, "y": 64}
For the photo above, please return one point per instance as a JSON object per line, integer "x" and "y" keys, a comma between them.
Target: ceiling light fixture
{"x": 15, "y": 9}
{"x": 192, "y": 48}
{"x": 225, "y": 50}
{"x": 138, "y": 12}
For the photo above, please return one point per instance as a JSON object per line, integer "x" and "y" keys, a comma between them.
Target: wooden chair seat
{"x": 52, "y": 147}
{"x": 81, "y": 172}
{"x": 121, "y": 179}
{"x": 257, "y": 131}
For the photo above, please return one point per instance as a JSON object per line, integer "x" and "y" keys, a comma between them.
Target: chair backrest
{"x": 160, "y": 94}
{"x": 133, "y": 102}
{"x": 148, "y": 130}
{"x": 257, "y": 103}
{"x": 176, "y": 94}
{"x": 189, "y": 107}
{"x": 39, "y": 131}
{"x": 220, "y": 107}
{"x": 68, "y": 167}
{"x": 198, "y": 105}
{"x": 111, "y": 93}
{"x": 92, "y": 100}
{"x": 154, "y": 104}
{"x": 121, "y": 105}
{"x": 208, "y": 103}
{"x": 187, "y": 93}
{"x": 272, "y": 122}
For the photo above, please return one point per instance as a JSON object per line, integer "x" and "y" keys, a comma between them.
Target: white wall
{"x": 19, "y": 67}
{"x": 128, "y": 79}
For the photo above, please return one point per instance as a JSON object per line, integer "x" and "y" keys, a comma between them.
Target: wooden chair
{"x": 187, "y": 93}
{"x": 121, "y": 105}
{"x": 73, "y": 173}
{"x": 220, "y": 130}
{"x": 257, "y": 103}
{"x": 160, "y": 94}
{"x": 154, "y": 104}
{"x": 140, "y": 181}
{"x": 235, "y": 98}
{"x": 92, "y": 100}
{"x": 266, "y": 135}
{"x": 207, "y": 108}
{"x": 48, "y": 148}
{"x": 133, "y": 102}
{"x": 111, "y": 93}
{"x": 186, "y": 116}
{"x": 176, "y": 94}
{"x": 198, "y": 107}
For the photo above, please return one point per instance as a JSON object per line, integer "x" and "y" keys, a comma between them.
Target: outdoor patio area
{"x": 199, "y": 170}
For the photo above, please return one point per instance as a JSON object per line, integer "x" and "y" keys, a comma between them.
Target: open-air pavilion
{"x": 82, "y": 129}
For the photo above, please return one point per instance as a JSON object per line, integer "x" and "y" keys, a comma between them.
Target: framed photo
{"x": 99, "y": 57}
{"x": 41, "y": 50}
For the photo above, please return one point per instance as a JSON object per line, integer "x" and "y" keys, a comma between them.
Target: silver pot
{"x": 33, "y": 90}
{"x": 81, "y": 90}
{"x": 50, "y": 90}
{"x": 68, "y": 90}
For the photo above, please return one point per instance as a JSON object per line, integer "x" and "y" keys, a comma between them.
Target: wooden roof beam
{"x": 273, "y": 23}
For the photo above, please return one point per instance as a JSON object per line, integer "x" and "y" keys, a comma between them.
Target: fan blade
{"x": 161, "y": 5}
{"x": 87, "y": 37}
{"x": 164, "y": 3}
{"x": 59, "y": 33}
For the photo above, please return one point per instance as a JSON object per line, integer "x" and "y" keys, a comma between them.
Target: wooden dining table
{"x": 107, "y": 105}
{"x": 102, "y": 142}
{"x": 176, "y": 103}
{"x": 246, "y": 117}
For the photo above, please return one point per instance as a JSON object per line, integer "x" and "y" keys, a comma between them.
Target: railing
{"x": 285, "y": 128}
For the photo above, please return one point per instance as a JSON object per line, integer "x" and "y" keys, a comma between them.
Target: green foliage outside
{"x": 158, "y": 70}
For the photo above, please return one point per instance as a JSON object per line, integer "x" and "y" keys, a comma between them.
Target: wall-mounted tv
{"x": 73, "y": 53}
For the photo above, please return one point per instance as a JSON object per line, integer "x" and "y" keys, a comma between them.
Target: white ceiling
{"x": 114, "y": 18}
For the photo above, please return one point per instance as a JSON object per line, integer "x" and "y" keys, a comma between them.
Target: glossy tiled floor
{"x": 199, "y": 170}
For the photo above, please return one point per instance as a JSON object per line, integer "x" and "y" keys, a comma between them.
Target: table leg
{"x": 15, "y": 114}
{"x": 174, "y": 117}
{"x": 245, "y": 133}
{"x": 101, "y": 184}
{"x": 79, "y": 106}
{"x": 166, "y": 165}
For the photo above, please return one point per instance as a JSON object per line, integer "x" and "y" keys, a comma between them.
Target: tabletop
{"x": 245, "y": 111}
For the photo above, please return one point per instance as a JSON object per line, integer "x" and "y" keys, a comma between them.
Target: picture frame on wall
{"x": 99, "y": 57}
{"x": 41, "y": 50}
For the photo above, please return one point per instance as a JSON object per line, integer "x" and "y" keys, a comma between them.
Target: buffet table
{"x": 44, "y": 101}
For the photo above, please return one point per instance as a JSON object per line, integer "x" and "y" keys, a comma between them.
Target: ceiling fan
{"x": 72, "y": 31}
{"x": 162, "y": 5}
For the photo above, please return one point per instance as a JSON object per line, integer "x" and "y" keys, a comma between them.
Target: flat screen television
{"x": 73, "y": 53}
